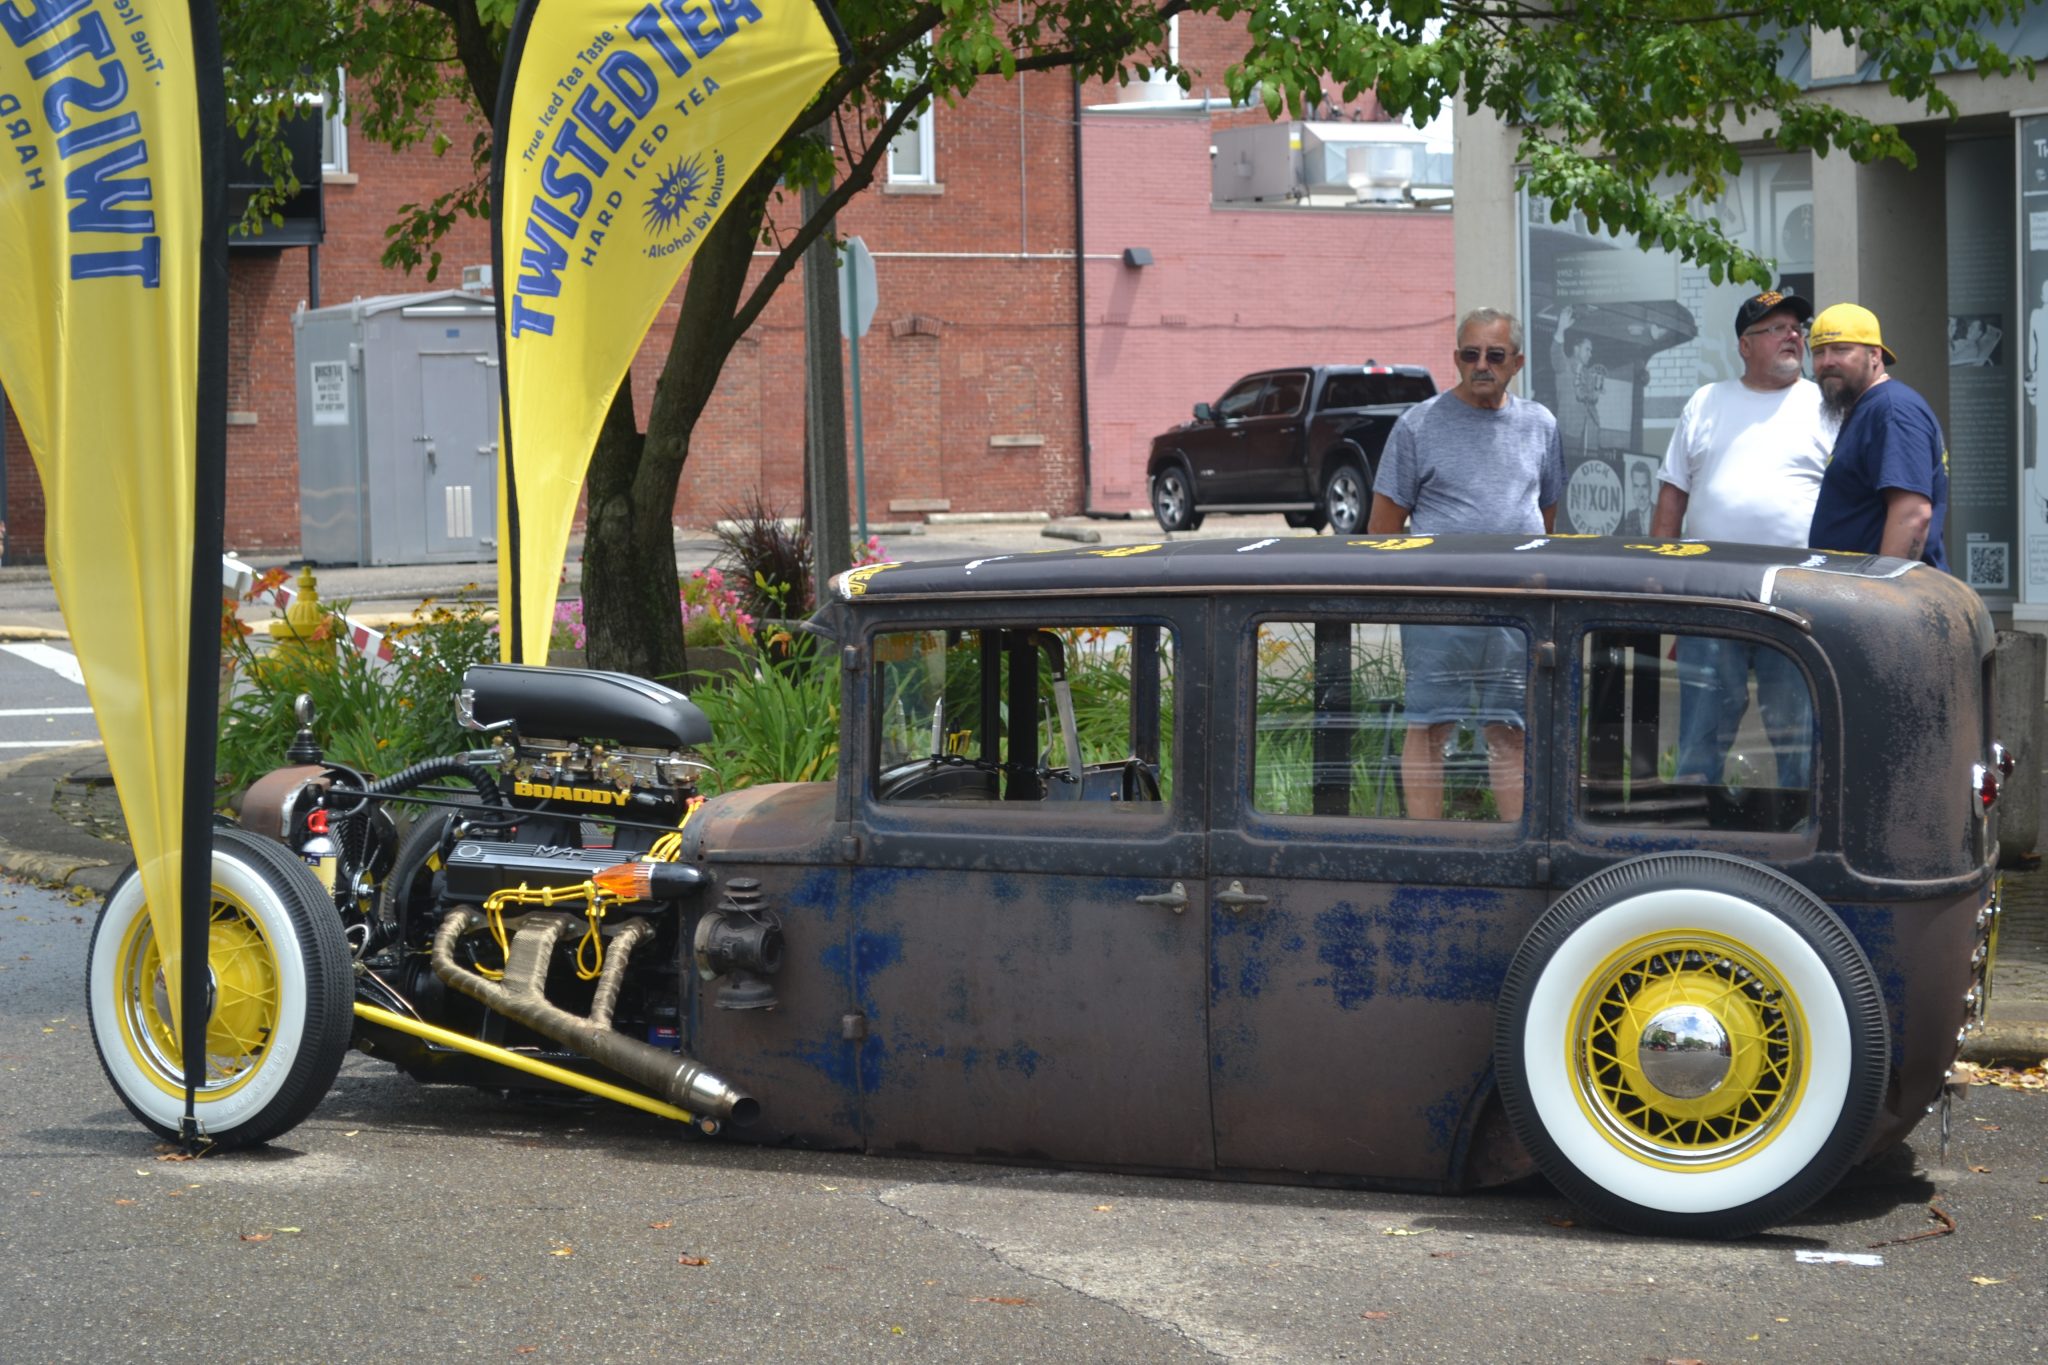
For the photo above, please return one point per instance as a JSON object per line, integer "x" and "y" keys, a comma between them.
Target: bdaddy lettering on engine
{"x": 594, "y": 118}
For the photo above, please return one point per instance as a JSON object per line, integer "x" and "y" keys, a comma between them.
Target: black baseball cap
{"x": 1766, "y": 303}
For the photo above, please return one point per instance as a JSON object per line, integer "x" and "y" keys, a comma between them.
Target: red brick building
{"x": 985, "y": 351}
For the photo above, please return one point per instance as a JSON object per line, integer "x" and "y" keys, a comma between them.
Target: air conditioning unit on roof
{"x": 476, "y": 279}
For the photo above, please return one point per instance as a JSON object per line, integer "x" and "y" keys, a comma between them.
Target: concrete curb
{"x": 985, "y": 518}
{"x": 23, "y": 634}
{"x": 2002, "y": 1042}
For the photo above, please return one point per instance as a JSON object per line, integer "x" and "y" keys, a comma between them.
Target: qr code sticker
{"x": 1989, "y": 566}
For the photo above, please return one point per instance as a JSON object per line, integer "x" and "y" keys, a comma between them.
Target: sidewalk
{"x": 60, "y": 822}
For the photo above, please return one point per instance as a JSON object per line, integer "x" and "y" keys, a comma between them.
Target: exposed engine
{"x": 523, "y": 915}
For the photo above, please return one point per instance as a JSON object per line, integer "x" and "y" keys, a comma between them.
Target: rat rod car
{"x": 1664, "y": 869}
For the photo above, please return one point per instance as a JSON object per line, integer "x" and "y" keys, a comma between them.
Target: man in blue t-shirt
{"x": 1886, "y": 488}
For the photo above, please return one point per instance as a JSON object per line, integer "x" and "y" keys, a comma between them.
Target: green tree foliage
{"x": 1631, "y": 112}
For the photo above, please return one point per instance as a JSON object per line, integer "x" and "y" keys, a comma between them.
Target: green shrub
{"x": 372, "y": 715}
{"x": 779, "y": 723}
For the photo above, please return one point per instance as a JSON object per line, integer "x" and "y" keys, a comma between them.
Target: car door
{"x": 1028, "y": 952}
{"x": 1263, "y": 464}
{"x": 1357, "y": 949}
{"x": 1212, "y": 447}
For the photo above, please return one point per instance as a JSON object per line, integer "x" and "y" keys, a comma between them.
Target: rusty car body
{"x": 1133, "y": 860}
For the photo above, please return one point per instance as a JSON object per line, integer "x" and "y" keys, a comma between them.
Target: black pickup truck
{"x": 1300, "y": 441}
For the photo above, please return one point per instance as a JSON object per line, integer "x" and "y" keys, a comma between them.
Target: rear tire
{"x": 1347, "y": 498}
{"x": 280, "y": 1014}
{"x": 1173, "y": 499}
{"x": 1691, "y": 1045}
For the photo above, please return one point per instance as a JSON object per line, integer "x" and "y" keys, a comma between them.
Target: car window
{"x": 1053, "y": 713}
{"x": 1390, "y": 721}
{"x": 1243, "y": 398}
{"x": 1283, "y": 395}
{"x": 1369, "y": 390}
{"x": 1693, "y": 732}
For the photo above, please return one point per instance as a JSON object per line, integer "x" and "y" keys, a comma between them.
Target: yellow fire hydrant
{"x": 298, "y": 635}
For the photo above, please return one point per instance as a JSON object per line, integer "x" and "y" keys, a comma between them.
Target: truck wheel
{"x": 1173, "y": 499}
{"x": 280, "y": 1013}
{"x": 1691, "y": 1045}
{"x": 1347, "y": 498}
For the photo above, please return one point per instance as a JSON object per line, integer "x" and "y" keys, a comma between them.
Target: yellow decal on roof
{"x": 1123, "y": 551}
{"x": 854, "y": 582}
{"x": 1395, "y": 542}
{"x": 1672, "y": 548}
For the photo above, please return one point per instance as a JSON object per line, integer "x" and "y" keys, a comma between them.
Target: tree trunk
{"x": 632, "y": 612}
{"x": 632, "y": 617}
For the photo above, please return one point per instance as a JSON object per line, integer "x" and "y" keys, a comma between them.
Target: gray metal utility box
{"x": 398, "y": 429}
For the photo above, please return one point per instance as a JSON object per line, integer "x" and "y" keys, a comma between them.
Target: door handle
{"x": 1235, "y": 898}
{"x": 1174, "y": 899}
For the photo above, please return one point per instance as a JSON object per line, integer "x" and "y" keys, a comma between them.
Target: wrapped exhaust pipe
{"x": 676, "y": 1077}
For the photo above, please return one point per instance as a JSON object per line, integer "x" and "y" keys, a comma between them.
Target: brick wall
{"x": 1233, "y": 289}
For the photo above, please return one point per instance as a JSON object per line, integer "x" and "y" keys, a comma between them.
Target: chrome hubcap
{"x": 1684, "y": 1052}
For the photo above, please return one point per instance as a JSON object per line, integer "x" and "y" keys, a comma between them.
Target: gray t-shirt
{"x": 1461, "y": 468}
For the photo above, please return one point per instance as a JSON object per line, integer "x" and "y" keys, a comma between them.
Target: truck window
{"x": 1693, "y": 732}
{"x": 1370, "y": 390}
{"x": 1243, "y": 398}
{"x": 1390, "y": 721}
{"x": 1283, "y": 395}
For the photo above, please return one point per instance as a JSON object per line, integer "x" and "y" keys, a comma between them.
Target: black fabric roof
{"x": 1554, "y": 564}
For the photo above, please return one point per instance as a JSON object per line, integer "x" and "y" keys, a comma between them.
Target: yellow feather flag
{"x": 625, "y": 129}
{"x": 100, "y": 284}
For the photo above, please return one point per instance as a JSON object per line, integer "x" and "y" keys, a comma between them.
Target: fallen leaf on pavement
{"x": 255, "y": 1236}
{"x": 1981, "y": 1170}
{"x": 693, "y": 1260}
{"x": 1104, "y": 1208}
{"x": 124, "y": 1202}
{"x": 1984, "y": 1279}
{"x": 1402, "y": 1232}
{"x": 997, "y": 1298}
{"x": 1376, "y": 1316}
{"x": 664, "y": 1223}
{"x": 563, "y": 1251}
{"x": 1558, "y": 1220}
{"x": 1445, "y": 1255}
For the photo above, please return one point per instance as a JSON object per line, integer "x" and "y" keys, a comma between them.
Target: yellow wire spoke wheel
{"x": 279, "y": 992}
{"x": 1691, "y": 1044}
{"x": 243, "y": 1002}
{"x": 1689, "y": 1050}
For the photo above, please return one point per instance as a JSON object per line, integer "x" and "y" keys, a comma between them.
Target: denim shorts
{"x": 1457, "y": 673}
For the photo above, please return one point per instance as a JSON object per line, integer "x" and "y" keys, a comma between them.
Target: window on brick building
{"x": 910, "y": 152}
{"x": 334, "y": 131}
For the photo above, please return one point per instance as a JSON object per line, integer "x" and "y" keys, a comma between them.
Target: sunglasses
{"x": 1494, "y": 355}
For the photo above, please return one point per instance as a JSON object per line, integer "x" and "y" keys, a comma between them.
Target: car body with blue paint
{"x": 1196, "y": 858}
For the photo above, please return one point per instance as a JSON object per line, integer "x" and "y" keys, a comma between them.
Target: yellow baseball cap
{"x": 1847, "y": 323}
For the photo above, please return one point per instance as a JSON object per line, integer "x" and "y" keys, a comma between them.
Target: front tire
{"x": 1347, "y": 498}
{"x": 1173, "y": 499}
{"x": 281, "y": 992}
{"x": 1691, "y": 1045}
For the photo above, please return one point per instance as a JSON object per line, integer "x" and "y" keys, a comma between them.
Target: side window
{"x": 1381, "y": 720}
{"x": 1056, "y": 713}
{"x": 1693, "y": 732}
{"x": 1243, "y": 398}
{"x": 1283, "y": 395}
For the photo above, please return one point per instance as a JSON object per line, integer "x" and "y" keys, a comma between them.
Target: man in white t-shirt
{"x": 1745, "y": 465}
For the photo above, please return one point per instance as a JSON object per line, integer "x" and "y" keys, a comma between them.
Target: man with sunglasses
{"x": 1745, "y": 464}
{"x": 1474, "y": 458}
